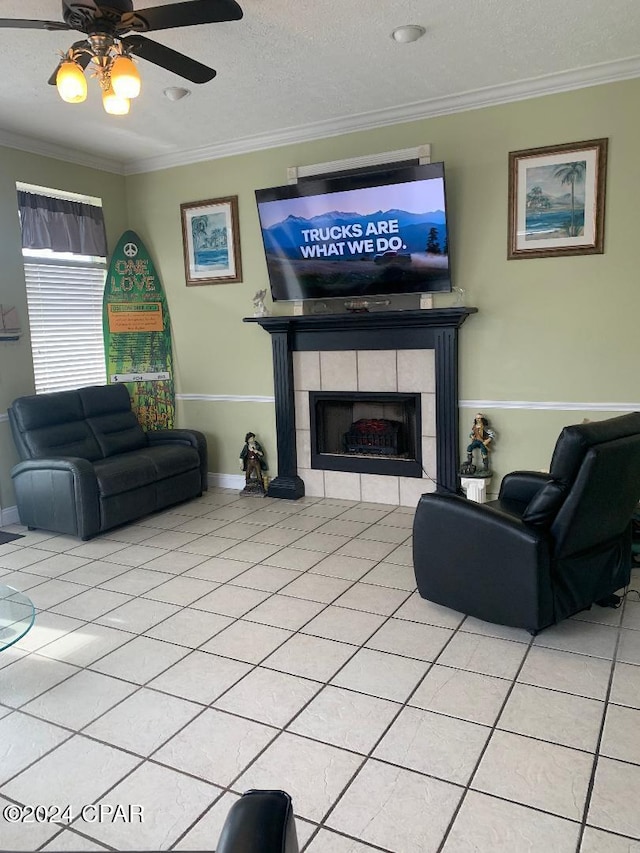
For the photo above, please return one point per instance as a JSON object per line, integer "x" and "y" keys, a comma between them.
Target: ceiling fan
{"x": 113, "y": 30}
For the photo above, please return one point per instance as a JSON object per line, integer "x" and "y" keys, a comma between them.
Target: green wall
{"x": 16, "y": 371}
{"x": 553, "y": 330}
{"x": 556, "y": 330}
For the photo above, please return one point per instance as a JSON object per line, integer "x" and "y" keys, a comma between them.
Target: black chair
{"x": 259, "y": 822}
{"x": 550, "y": 546}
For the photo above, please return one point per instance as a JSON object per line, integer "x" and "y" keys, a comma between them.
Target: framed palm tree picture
{"x": 556, "y": 200}
{"x": 211, "y": 241}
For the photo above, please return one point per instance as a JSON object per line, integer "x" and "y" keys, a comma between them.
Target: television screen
{"x": 358, "y": 235}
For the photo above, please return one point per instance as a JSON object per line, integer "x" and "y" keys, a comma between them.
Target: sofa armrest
{"x": 190, "y": 437}
{"x": 58, "y": 493}
{"x": 259, "y": 822}
{"x": 522, "y": 486}
{"x": 481, "y": 561}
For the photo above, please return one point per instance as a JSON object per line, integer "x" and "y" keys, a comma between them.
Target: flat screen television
{"x": 357, "y": 235}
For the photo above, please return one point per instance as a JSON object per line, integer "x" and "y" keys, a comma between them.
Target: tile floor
{"x": 237, "y": 642}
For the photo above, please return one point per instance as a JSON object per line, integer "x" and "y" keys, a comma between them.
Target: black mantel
{"x": 433, "y": 328}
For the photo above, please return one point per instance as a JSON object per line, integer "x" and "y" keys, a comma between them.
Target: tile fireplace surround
{"x": 395, "y": 351}
{"x": 365, "y": 370}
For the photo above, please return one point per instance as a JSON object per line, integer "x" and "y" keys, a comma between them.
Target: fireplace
{"x": 366, "y": 433}
{"x": 378, "y": 352}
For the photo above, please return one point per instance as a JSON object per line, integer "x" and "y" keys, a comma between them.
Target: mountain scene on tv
{"x": 348, "y": 243}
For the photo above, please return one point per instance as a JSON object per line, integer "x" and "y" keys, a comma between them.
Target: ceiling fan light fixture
{"x": 71, "y": 82}
{"x": 113, "y": 33}
{"x": 125, "y": 79}
{"x": 114, "y": 104}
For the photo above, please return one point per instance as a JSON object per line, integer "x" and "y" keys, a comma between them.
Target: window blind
{"x": 64, "y": 301}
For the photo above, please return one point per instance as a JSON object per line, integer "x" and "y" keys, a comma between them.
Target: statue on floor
{"x": 253, "y": 463}
{"x": 481, "y": 436}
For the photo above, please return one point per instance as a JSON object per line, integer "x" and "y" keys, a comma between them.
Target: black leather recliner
{"x": 259, "y": 822}
{"x": 550, "y": 546}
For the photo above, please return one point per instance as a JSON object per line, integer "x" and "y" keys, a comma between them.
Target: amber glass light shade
{"x": 71, "y": 82}
{"x": 113, "y": 104}
{"x": 125, "y": 79}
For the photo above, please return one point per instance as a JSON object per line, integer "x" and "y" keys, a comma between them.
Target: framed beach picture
{"x": 556, "y": 200}
{"x": 211, "y": 241}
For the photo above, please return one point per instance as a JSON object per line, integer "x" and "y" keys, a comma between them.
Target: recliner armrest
{"x": 452, "y": 535}
{"x": 522, "y": 486}
{"x": 465, "y": 519}
{"x": 260, "y": 822}
{"x": 190, "y": 437}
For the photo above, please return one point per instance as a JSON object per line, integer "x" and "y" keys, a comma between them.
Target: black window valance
{"x": 61, "y": 225}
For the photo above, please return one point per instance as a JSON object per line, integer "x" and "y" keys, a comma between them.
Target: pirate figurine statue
{"x": 253, "y": 464}
{"x": 481, "y": 437}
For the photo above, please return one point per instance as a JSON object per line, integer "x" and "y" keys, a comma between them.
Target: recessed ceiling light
{"x": 175, "y": 93}
{"x": 408, "y": 33}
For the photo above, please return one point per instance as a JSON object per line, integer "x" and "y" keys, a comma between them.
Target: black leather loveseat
{"x": 89, "y": 466}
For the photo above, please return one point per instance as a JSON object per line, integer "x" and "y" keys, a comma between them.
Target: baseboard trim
{"x": 9, "y": 515}
{"x": 226, "y": 481}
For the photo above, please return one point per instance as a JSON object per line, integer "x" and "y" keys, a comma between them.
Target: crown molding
{"x": 60, "y": 152}
{"x": 548, "y": 84}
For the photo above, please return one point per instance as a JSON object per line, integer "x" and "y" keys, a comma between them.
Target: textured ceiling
{"x": 295, "y": 69}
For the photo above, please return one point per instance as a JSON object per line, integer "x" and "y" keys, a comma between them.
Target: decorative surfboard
{"x": 137, "y": 333}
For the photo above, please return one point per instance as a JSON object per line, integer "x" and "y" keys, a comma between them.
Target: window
{"x": 64, "y": 299}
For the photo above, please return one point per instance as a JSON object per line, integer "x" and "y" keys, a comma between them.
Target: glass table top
{"x": 16, "y": 615}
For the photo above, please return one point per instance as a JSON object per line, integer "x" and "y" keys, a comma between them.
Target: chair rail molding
{"x": 225, "y": 398}
{"x": 550, "y": 405}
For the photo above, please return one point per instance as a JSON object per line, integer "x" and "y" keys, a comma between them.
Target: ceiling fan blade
{"x": 181, "y": 15}
{"x": 33, "y": 25}
{"x": 83, "y": 59}
{"x": 170, "y": 59}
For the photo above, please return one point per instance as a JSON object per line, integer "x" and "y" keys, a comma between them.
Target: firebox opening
{"x": 373, "y": 433}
